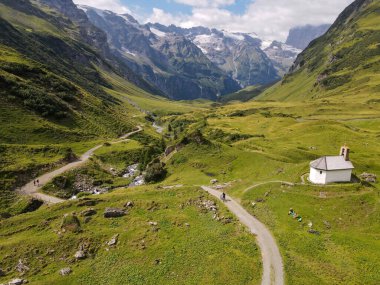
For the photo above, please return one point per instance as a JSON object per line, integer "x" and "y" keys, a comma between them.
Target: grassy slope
{"x": 285, "y": 138}
{"x": 206, "y": 252}
{"x": 73, "y": 106}
{"x": 329, "y": 67}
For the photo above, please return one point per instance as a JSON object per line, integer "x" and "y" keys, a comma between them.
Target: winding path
{"x": 32, "y": 190}
{"x": 273, "y": 272}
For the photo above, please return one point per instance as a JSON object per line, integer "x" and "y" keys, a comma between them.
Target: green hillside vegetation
{"x": 259, "y": 151}
{"x": 341, "y": 65}
{"x": 58, "y": 94}
{"x": 275, "y": 141}
{"x": 183, "y": 244}
{"x": 245, "y": 94}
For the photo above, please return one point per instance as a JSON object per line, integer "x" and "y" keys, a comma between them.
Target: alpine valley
{"x": 143, "y": 153}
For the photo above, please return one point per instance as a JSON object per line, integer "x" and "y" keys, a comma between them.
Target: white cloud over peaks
{"x": 112, "y": 5}
{"x": 270, "y": 19}
{"x": 206, "y": 3}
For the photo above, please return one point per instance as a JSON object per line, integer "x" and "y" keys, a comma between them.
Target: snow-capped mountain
{"x": 238, "y": 54}
{"x": 282, "y": 55}
{"x": 170, "y": 62}
{"x": 197, "y": 62}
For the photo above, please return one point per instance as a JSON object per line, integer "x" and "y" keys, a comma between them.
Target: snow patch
{"x": 128, "y": 52}
{"x": 234, "y": 36}
{"x": 265, "y": 44}
{"x": 158, "y": 33}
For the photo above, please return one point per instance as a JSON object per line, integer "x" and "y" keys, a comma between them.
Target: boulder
{"x": 17, "y": 281}
{"x": 113, "y": 213}
{"x": 65, "y": 271}
{"x": 314, "y": 232}
{"x": 129, "y": 204}
{"x": 71, "y": 223}
{"x": 368, "y": 177}
{"x": 21, "y": 267}
{"x": 88, "y": 212}
{"x": 80, "y": 255}
{"x": 113, "y": 240}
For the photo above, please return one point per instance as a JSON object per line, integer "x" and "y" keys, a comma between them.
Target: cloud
{"x": 270, "y": 19}
{"x": 206, "y": 3}
{"x": 112, "y": 5}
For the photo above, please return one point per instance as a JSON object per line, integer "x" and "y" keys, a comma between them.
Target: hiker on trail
{"x": 38, "y": 182}
{"x": 224, "y": 196}
{"x": 34, "y": 182}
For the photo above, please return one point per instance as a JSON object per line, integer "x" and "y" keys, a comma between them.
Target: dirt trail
{"x": 32, "y": 190}
{"x": 272, "y": 262}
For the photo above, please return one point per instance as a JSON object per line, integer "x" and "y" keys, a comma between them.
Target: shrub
{"x": 155, "y": 171}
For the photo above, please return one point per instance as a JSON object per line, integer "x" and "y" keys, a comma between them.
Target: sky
{"x": 270, "y": 19}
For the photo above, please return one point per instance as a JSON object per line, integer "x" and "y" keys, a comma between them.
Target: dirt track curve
{"x": 32, "y": 190}
{"x": 272, "y": 262}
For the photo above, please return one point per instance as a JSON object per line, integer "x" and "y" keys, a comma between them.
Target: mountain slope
{"x": 238, "y": 54}
{"x": 172, "y": 63}
{"x": 345, "y": 62}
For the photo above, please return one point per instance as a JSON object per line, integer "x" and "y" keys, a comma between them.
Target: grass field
{"x": 204, "y": 252}
{"x": 259, "y": 142}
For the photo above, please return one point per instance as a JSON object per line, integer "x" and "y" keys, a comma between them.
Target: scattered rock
{"x": 253, "y": 204}
{"x": 65, "y": 271}
{"x": 88, "y": 212}
{"x": 157, "y": 261}
{"x": 310, "y": 224}
{"x": 153, "y": 223}
{"x": 21, "y": 267}
{"x": 2, "y": 273}
{"x": 368, "y": 177}
{"x": 187, "y": 224}
{"x": 87, "y": 202}
{"x": 50, "y": 251}
{"x": 113, "y": 213}
{"x": 129, "y": 204}
{"x": 86, "y": 220}
{"x": 209, "y": 205}
{"x": 266, "y": 194}
{"x": 214, "y": 181}
{"x": 17, "y": 281}
{"x": 327, "y": 224}
{"x": 260, "y": 200}
{"x": 280, "y": 170}
{"x": 314, "y": 232}
{"x": 80, "y": 255}
{"x": 71, "y": 223}
{"x": 153, "y": 206}
{"x": 113, "y": 240}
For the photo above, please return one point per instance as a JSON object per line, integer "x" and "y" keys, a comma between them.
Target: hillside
{"x": 133, "y": 208}
{"x": 61, "y": 90}
{"x": 238, "y": 54}
{"x": 343, "y": 64}
{"x": 171, "y": 63}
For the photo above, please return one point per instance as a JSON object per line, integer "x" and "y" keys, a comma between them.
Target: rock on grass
{"x": 114, "y": 213}
{"x": 65, "y": 271}
{"x": 71, "y": 223}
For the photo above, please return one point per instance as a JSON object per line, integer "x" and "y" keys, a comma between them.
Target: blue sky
{"x": 171, "y": 6}
{"x": 270, "y": 19}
